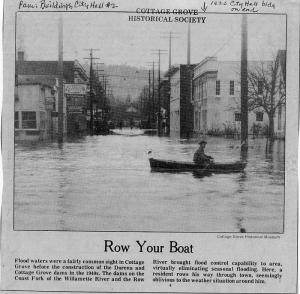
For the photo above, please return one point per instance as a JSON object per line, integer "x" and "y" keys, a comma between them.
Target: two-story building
{"x": 73, "y": 73}
{"x": 36, "y": 103}
{"x": 216, "y": 98}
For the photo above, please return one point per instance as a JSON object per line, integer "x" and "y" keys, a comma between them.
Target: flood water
{"x": 104, "y": 183}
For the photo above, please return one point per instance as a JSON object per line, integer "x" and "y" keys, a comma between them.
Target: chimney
{"x": 20, "y": 56}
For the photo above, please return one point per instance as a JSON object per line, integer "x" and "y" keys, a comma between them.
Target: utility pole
{"x": 188, "y": 108}
{"x": 97, "y": 70}
{"x": 91, "y": 58}
{"x": 149, "y": 98}
{"x": 60, "y": 104}
{"x": 170, "y": 49}
{"x": 91, "y": 95}
{"x": 104, "y": 87}
{"x": 171, "y": 35}
{"x": 244, "y": 84}
{"x": 152, "y": 103}
{"x": 106, "y": 91}
{"x": 158, "y": 113}
{"x": 159, "y": 52}
{"x": 104, "y": 96}
{"x": 105, "y": 84}
{"x": 153, "y": 92}
{"x": 189, "y": 45}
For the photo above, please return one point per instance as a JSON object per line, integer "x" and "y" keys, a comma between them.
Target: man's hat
{"x": 202, "y": 142}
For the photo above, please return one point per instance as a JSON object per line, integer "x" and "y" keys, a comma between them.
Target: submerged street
{"x": 104, "y": 183}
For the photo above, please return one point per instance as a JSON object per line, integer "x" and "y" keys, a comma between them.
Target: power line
{"x": 232, "y": 36}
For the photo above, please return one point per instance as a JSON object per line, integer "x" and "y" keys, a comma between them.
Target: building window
{"x": 260, "y": 87}
{"x": 28, "y": 119}
{"x": 218, "y": 87}
{"x": 231, "y": 88}
{"x": 237, "y": 116}
{"x": 17, "y": 122}
{"x": 259, "y": 116}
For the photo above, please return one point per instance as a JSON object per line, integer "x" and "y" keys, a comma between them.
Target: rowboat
{"x": 177, "y": 166}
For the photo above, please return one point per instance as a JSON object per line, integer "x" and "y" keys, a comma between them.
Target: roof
{"x": 34, "y": 84}
{"x": 175, "y": 68}
{"x": 37, "y": 79}
{"x": 205, "y": 60}
{"x": 172, "y": 70}
{"x": 49, "y": 68}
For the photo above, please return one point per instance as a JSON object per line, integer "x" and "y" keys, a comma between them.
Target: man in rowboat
{"x": 200, "y": 157}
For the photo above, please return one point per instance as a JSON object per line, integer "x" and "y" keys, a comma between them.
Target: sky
{"x": 122, "y": 42}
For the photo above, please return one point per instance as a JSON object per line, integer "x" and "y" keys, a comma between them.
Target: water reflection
{"x": 62, "y": 206}
{"x": 104, "y": 183}
{"x": 201, "y": 174}
{"x": 242, "y": 203}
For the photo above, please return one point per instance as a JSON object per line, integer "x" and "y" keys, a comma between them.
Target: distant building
{"x": 131, "y": 116}
{"x": 216, "y": 98}
{"x": 36, "y": 111}
{"x": 181, "y": 112}
{"x": 73, "y": 72}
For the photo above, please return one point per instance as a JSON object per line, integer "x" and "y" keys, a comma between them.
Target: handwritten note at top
{"x": 66, "y": 5}
{"x": 243, "y": 6}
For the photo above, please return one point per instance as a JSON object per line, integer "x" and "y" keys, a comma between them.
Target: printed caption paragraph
{"x": 162, "y": 271}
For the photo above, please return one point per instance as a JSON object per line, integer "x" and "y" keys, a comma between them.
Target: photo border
{"x": 156, "y": 232}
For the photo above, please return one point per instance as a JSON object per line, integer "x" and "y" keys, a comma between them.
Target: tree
{"x": 266, "y": 88}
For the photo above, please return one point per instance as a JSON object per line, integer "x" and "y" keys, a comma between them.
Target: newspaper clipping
{"x": 150, "y": 146}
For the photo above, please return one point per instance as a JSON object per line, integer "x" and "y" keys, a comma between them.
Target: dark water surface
{"x": 104, "y": 183}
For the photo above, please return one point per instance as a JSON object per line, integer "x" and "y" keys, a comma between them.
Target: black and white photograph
{"x": 146, "y": 122}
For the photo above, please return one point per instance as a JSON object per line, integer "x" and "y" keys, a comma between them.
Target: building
{"x": 181, "y": 112}
{"x": 73, "y": 73}
{"x": 76, "y": 99}
{"x": 36, "y": 110}
{"x": 216, "y": 99}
